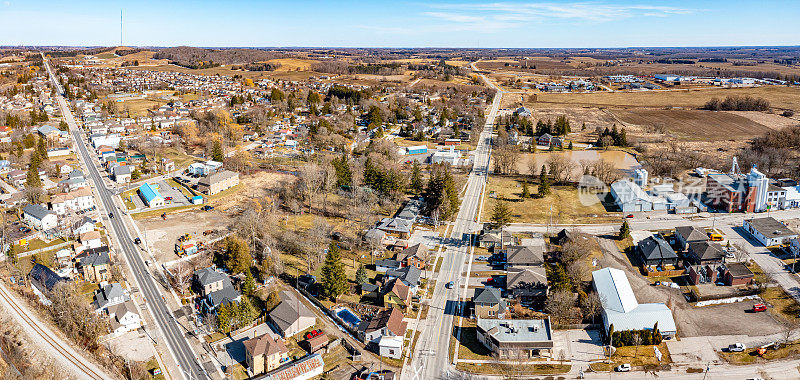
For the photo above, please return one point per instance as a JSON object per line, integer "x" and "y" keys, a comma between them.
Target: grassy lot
{"x": 644, "y": 356}
{"x": 468, "y": 346}
{"x": 139, "y": 107}
{"x": 178, "y": 157}
{"x": 225, "y": 193}
{"x": 783, "y": 305}
{"x": 563, "y": 200}
{"x": 151, "y": 365}
{"x": 750, "y": 356}
{"x": 515, "y": 369}
{"x": 155, "y": 213}
{"x": 39, "y": 244}
{"x": 126, "y": 198}
{"x": 695, "y": 124}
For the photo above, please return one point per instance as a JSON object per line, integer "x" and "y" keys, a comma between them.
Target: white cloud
{"x": 503, "y": 15}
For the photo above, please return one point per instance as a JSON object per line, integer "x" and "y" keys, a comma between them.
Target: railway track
{"x": 76, "y": 360}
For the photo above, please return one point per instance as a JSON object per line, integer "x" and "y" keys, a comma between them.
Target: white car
{"x": 737, "y": 347}
{"x": 623, "y": 368}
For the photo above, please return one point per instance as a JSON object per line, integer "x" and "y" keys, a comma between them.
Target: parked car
{"x": 759, "y": 307}
{"x": 629, "y": 216}
{"x": 168, "y": 198}
{"x": 736, "y": 347}
{"x": 623, "y": 368}
{"x": 137, "y": 241}
{"x": 313, "y": 333}
{"x": 482, "y": 258}
{"x": 207, "y": 208}
{"x": 449, "y": 285}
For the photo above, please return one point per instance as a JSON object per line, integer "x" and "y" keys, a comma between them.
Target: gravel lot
{"x": 162, "y": 234}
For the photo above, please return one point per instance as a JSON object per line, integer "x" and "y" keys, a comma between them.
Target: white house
{"x": 124, "y": 317}
{"x": 91, "y": 239}
{"x": 391, "y": 347}
{"x": 75, "y": 200}
{"x": 39, "y": 217}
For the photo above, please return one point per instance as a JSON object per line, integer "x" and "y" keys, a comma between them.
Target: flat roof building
{"x": 769, "y": 231}
{"x": 516, "y": 338}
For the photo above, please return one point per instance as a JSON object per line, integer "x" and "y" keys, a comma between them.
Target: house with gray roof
{"x": 525, "y": 255}
{"x": 43, "y": 280}
{"x": 526, "y": 284}
{"x": 109, "y": 295}
{"x": 408, "y": 275}
{"x": 706, "y": 252}
{"x": 397, "y": 227}
{"x": 488, "y": 303}
{"x": 39, "y": 217}
{"x": 516, "y": 338}
{"x": 291, "y": 316}
{"x": 655, "y": 251}
{"x": 689, "y": 234}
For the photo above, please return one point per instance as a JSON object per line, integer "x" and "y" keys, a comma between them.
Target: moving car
{"x": 111, "y": 215}
{"x": 759, "y": 307}
{"x": 482, "y": 258}
{"x": 137, "y": 241}
{"x": 623, "y": 368}
{"x": 449, "y": 285}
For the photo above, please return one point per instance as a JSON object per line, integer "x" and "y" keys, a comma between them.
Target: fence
{"x": 697, "y": 297}
{"x": 662, "y": 273}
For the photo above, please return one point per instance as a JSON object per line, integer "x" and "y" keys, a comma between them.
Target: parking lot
{"x": 173, "y": 197}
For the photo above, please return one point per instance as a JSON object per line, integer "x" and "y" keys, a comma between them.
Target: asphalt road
{"x": 180, "y": 348}
{"x": 431, "y": 356}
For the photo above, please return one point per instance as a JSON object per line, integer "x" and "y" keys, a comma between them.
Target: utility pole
{"x": 120, "y": 27}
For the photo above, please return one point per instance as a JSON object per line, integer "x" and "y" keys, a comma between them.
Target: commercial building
{"x": 768, "y": 231}
{"x": 218, "y": 182}
{"x": 150, "y": 195}
{"x": 516, "y": 338}
{"x": 621, "y": 309}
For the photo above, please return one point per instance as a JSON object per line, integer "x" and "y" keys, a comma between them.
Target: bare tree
{"x": 560, "y": 167}
{"x": 605, "y": 171}
{"x": 559, "y": 304}
{"x": 637, "y": 341}
{"x": 593, "y": 305}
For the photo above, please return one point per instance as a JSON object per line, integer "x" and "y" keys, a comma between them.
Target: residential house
{"x": 397, "y": 294}
{"x": 706, "y": 252}
{"x": 689, "y": 234}
{"x": 408, "y": 275}
{"x": 39, "y": 217}
{"x": 525, "y": 256}
{"x": 91, "y": 239}
{"x": 655, "y": 251}
{"x": 122, "y": 174}
{"x": 414, "y": 255}
{"x": 80, "y": 199}
{"x": 43, "y": 280}
{"x": 124, "y": 317}
{"x": 731, "y": 274}
{"x": 216, "y": 288}
{"x": 384, "y": 265}
{"x": 527, "y": 284}
{"x": 488, "y": 303}
{"x": 388, "y": 322}
{"x": 109, "y": 295}
{"x": 291, "y": 316}
{"x": 93, "y": 265}
{"x": 396, "y": 227}
{"x": 493, "y": 239}
{"x": 82, "y": 226}
{"x": 516, "y": 338}
{"x": 390, "y": 347}
{"x": 264, "y": 354}
{"x": 218, "y": 182}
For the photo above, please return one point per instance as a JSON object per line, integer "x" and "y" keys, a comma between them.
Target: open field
{"x": 779, "y": 97}
{"x": 562, "y": 204}
{"x": 292, "y": 64}
{"x": 694, "y": 124}
{"x": 139, "y": 107}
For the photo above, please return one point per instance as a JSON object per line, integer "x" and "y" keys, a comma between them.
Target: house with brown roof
{"x": 388, "y": 322}
{"x": 264, "y": 354}
{"x": 526, "y": 284}
{"x": 397, "y": 294}
{"x": 413, "y": 256}
{"x": 525, "y": 256}
{"x": 706, "y": 252}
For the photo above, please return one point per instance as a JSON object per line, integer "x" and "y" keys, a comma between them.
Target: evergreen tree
{"x": 544, "y": 183}
{"x": 217, "y": 154}
{"x": 525, "y": 191}
{"x": 624, "y": 231}
{"x": 237, "y": 255}
{"x": 361, "y": 274}
{"x": 501, "y": 215}
{"x": 32, "y": 180}
{"x": 41, "y": 148}
{"x": 246, "y": 311}
{"x": 224, "y": 317}
{"x": 249, "y": 284}
{"x": 334, "y": 278}
{"x": 136, "y": 173}
{"x": 570, "y": 145}
{"x": 416, "y": 178}
{"x": 344, "y": 176}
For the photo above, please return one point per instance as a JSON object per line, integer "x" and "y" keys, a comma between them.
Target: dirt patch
{"x": 162, "y": 234}
{"x": 694, "y": 124}
{"x": 769, "y": 120}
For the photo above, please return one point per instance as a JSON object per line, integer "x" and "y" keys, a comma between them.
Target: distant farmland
{"x": 694, "y": 125}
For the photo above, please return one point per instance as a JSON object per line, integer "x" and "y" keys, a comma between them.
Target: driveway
{"x": 581, "y": 346}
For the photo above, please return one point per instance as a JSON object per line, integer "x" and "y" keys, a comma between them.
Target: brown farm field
{"x": 693, "y": 124}
{"x": 779, "y": 97}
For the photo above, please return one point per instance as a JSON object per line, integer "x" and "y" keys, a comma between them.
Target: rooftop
{"x": 517, "y": 330}
{"x": 770, "y": 227}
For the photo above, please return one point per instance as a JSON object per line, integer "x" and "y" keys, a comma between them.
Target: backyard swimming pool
{"x": 348, "y": 316}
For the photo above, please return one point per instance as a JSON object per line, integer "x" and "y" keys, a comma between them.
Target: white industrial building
{"x": 621, "y": 309}
{"x": 769, "y": 231}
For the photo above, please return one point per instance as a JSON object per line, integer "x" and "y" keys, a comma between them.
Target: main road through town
{"x": 431, "y": 356}
{"x": 179, "y": 347}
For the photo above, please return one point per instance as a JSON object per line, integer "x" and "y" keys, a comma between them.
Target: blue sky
{"x": 398, "y": 23}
